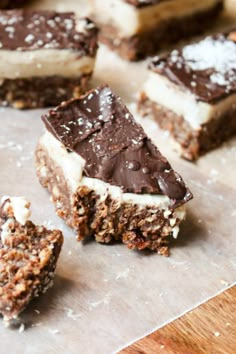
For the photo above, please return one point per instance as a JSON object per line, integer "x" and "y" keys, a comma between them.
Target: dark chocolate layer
{"x": 31, "y": 30}
{"x": 11, "y": 4}
{"x": 116, "y": 149}
{"x": 143, "y": 3}
{"x": 206, "y": 68}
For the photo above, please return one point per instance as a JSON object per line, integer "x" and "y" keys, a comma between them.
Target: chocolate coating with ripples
{"x": 206, "y": 68}
{"x": 99, "y": 127}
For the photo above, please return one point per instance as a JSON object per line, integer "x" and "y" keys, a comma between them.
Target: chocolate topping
{"x": 116, "y": 149}
{"x": 31, "y": 30}
{"x": 143, "y": 3}
{"x": 206, "y": 68}
{"x": 11, "y": 4}
{"x": 7, "y": 4}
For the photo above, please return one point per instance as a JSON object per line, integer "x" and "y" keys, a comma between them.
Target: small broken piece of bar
{"x": 106, "y": 177}
{"x": 151, "y": 25}
{"x": 28, "y": 257}
{"x": 191, "y": 93}
{"x": 45, "y": 57}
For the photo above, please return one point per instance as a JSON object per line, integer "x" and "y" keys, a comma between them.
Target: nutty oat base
{"x": 39, "y": 92}
{"x": 107, "y": 220}
{"x": 27, "y": 262}
{"x": 193, "y": 143}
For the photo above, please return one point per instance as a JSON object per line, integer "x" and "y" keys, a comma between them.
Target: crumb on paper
{"x": 37, "y": 311}
{"x": 105, "y": 301}
{"x": 21, "y": 328}
{"x": 224, "y": 282}
{"x": 71, "y": 314}
{"x": 37, "y": 324}
{"x": 54, "y": 331}
{"x": 214, "y": 172}
{"x": 123, "y": 274}
{"x": 49, "y": 224}
{"x": 11, "y": 145}
{"x": 6, "y": 324}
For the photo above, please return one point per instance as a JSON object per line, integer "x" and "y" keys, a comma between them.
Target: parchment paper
{"x": 105, "y": 297}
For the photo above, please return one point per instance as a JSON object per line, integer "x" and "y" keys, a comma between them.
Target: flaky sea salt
{"x": 212, "y": 53}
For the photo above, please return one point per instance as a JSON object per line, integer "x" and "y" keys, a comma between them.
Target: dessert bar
{"x": 28, "y": 257}
{"x": 192, "y": 93}
{"x": 106, "y": 177}
{"x": 45, "y": 57}
{"x": 136, "y": 28}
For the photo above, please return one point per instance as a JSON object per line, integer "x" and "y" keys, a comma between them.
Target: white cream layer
{"x": 19, "y": 208}
{"x": 130, "y": 20}
{"x": 72, "y": 166}
{"x": 182, "y": 102}
{"x": 43, "y": 62}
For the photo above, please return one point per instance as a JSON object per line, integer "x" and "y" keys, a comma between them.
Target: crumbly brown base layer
{"x": 39, "y": 92}
{"x": 148, "y": 43}
{"x": 107, "y": 220}
{"x": 27, "y": 262}
{"x": 193, "y": 143}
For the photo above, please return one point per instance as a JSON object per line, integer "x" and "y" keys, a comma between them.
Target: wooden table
{"x": 210, "y": 328}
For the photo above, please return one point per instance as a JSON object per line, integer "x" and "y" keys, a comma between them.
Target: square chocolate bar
{"x": 192, "y": 94}
{"x": 138, "y": 28}
{"x": 45, "y": 57}
{"x": 106, "y": 177}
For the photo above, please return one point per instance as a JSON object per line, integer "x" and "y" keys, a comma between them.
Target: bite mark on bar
{"x": 99, "y": 166}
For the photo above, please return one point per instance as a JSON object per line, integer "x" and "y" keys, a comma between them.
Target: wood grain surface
{"x": 210, "y": 328}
